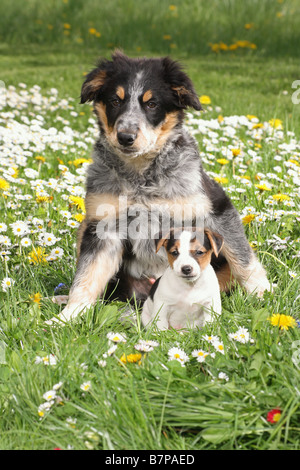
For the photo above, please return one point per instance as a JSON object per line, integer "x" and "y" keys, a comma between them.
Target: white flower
{"x": 57, "y": 386}
{"x": 57, "y": 252}
{"x": 293, "y": 274}
{"x": 210, "y": 338}
{"x": 20, "y": 228}
{"x": 177, "y": 354}
{"x": 223, "y": 376}
{"x": 47, "y": 360}
{"x": 50, "y": 395}
{"x": 241, "y": 335}
{"x": 145, "y": 345}
{"x": 66, "y": 214}
{"x": 73, "y": 223}
{"x": 200, "y": 354}
{"x": 25, "y": 241}
{"x": 102, "y": 363}
{"x": 3, "y": 227}
{"x": 116, "y": 337}
{"x": 110, "y": 351}
{"x": 86, "y": 386}
{"x": 5, "y": 240}
{"x": 47, "y": 239}
{"x": 7, "y": 283}
{"x": 219, "y": 346}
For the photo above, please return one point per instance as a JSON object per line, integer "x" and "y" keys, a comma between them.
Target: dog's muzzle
{"x": 126, "y": 139}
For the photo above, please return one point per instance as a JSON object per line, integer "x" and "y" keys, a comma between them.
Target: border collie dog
{"x": 147, "y": 173}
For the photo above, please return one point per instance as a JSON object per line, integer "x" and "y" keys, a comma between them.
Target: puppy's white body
{"x": 179, "y": 301}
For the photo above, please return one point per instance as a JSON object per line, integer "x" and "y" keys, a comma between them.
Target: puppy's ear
{"x": 181, "y": 86}
{"x": 92, "y": 84}
{"x": 216, "y": 241}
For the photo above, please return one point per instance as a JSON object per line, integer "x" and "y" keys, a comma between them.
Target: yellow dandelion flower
{"x": 222, "y": 161}
{"x": 233, "y": 47}
{"x": 275, "y": 123}
{"x": 221, "y": 180}
{"x": 167, "y": 37}
{"x": 220, "y": 118}
{"x": 248, "y": 219}
{"x": 79, "y": 217}
{"x": 172, "y": 7}
{"x": 259, "y": 125}
{"x": 284, "y": 322}
{"x": 251, "y": 116}
{"x": 92, "y": 30}
{"x": 36, "y": 298}
{"x": 78, "y": 202}
{"x": 235, "y": 152}
{"x": 263, "y": 187}
{"x": 214, "y": 47}
{"x": 80, "y": 161}
{"x": 40, "y": 158}
{"x": 281, "y": 197}
{"x": 4, "y": 185}
{"x": 249, "y": 25}
{"x": 131, "y": 358}
{"x": 40, "y": 199}
{"x": 67, "y": 26}
{"x": 37, "y": 256}
{"x": 204, "y": 99}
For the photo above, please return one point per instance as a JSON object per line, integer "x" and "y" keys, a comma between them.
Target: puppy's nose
{"x": 126, "y": 138}
{"x": 186, "y": 269}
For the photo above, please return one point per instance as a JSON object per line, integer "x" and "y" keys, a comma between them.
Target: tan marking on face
{"x": 80, "y": 233}
{"x": 175, "y": 246}
{"x": 120, "y": 92}
{"x": 165, "y": 129}
{"x": 100, "y": 110}
{"x": 202, "y": 260}
{"x": 147, "y": 96}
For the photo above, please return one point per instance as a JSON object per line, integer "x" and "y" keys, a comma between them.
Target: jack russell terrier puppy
{"x": 188, "y": 291}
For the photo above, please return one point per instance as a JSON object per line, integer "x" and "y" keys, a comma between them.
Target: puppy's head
{"x": 189, "y": 251}
{"x": 138, "y": 102}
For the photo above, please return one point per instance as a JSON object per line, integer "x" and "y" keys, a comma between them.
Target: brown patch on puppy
{"x": 171, "y": 257}
{"x": 147, "y": 96}
{"x": 216, "y": 241}
{"x": 120, "y": 92}
{"x": 110, "y": 205}
{"x": 165, "y": 129}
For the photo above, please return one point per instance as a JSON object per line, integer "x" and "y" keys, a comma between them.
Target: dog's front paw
{"x": 68, "y": 313}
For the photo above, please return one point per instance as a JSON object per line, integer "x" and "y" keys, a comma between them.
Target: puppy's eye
{"x": 199, "y": 252}
{"x": 175, "y": 253}
{"x": 116, "y": 103}
{"x": 151, "y": 104}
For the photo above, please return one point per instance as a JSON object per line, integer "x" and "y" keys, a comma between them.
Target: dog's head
{"x": 138, "y": 102}
{"x": 189, "y": 251}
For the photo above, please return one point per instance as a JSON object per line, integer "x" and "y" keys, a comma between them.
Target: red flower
{"x": 274, "y": 415}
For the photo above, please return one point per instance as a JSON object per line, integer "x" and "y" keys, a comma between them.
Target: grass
{"x": 153, "y": 403}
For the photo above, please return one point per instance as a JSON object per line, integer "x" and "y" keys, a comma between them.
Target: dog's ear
{"x": 182, "y": 87}
{"x": 92, "y": 84}
{"x": 216, "y": 241}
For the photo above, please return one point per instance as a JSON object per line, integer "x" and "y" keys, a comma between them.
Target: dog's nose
{"x": 186, "y": 269}
{"x": 126, "y": 138}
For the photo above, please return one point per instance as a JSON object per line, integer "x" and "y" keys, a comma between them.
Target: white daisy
{"x": 7, "y": 283}
{"x": 177, "y": 354}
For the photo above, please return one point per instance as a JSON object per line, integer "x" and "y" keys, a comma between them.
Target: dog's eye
{"x": 199, "y": 252}
{"x": 174, "y": 253}
{"x": 116, "y": 103}
{"x": 151, "y": 104}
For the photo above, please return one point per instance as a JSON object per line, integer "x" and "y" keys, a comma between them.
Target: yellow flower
{"x": 131, "y": 358}
{"x": 214, "y": 47}
{"x": 37, "y": 256}
{"x": 248, "y": 219}
{"x": 262, "y": 187}
{"x": 249, "y": 25}
{"x": 233, "y": 47}
{"x": 222, "y": 161}
{"x": 251, "y": 116}
{"x": 92, "y": 30}
{"x": 80, "y": 161}
{"x": 275, "y": 123}
{"x": 259, "y": 125}
{"x": 40, "y": 158}
{"x": 36, "y": 298}
{"x": 220, "y": 179}
{"x": 220, "y": 118}
{"x": 235, "y": 152}
{"x": 4, "y": 185}
{"x": 167, "y": 37}
{"x": 79, "y": 217}
{"x": 67, "y": 26}
{"x": 78, "y": 202}
{"x": 41, "y": 199}
{"x": 281, "y": 197}
{"x": 172, "y": 7}
{"x": 283, "y": 321}
{"x": 204, "y": 99}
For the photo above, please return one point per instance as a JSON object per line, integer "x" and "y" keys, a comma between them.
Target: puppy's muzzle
{"x": 186, "y": 270}
{"x": 126, "y": 139}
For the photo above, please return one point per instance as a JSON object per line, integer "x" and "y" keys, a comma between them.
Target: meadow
{"x": 99, "y": 383}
